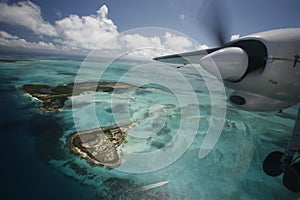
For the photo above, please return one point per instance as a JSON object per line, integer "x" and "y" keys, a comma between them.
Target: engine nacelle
{"x": 255, "y": 102}
{"x": 230, "y": 62}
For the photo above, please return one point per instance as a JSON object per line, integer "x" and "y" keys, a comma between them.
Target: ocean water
{"x": 37, "y": 164}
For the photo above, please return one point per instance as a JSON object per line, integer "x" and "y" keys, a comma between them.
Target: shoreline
{"x": 99, "y": 146}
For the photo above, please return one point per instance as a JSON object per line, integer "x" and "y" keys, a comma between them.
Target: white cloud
{"x": 139, "y": 41}
{"x": 203, "y": 46}
{"x": 27, "y": 14}
{"x": 235, "y": 37}
{"x": 87, "y": 31}
{"x": 182, "y": 17}
{"x": 6, "y": 35}
{"x": 103, "y": 11}
{"x": 148, "y": 47}
{"x": 83, "y": 33}
{"x": 177, "y": 43}
{"x": 8, "y": 40}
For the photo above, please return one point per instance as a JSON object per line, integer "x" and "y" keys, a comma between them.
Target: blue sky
{"x": 47, "y": 24}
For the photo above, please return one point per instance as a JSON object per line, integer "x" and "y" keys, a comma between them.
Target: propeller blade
{"x": 214, "y": 17}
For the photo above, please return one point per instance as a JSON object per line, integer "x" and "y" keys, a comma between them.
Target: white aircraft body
{"x": 263, "y": 69}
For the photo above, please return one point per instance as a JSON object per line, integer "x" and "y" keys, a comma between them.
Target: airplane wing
{"x": 186, "y": 58}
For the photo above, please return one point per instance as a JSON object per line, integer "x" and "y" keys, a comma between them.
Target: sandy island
{"x": 99, "y": 146}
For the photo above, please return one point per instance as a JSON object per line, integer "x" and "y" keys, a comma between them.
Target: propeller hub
{"x": 230, "y": 62}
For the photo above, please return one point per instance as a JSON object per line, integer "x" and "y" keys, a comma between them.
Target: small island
{"x": 53, "y": 98}
{"x": 99, "y": 146}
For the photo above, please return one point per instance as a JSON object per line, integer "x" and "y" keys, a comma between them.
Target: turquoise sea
{"x": 37, "y": 164}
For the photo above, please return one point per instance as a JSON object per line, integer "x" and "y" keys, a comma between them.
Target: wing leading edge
{"x": 192, "y": 57}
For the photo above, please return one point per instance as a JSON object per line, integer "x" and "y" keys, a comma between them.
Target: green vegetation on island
{"x": 53, "y": 97}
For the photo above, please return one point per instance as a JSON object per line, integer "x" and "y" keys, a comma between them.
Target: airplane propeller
{"x": 214, "y": 15}
{"x": 231, "y": 62}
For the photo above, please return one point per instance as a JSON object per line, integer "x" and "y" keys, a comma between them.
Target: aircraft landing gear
{"x": 277, "y": 163}
{"x": 288, "y": 162}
